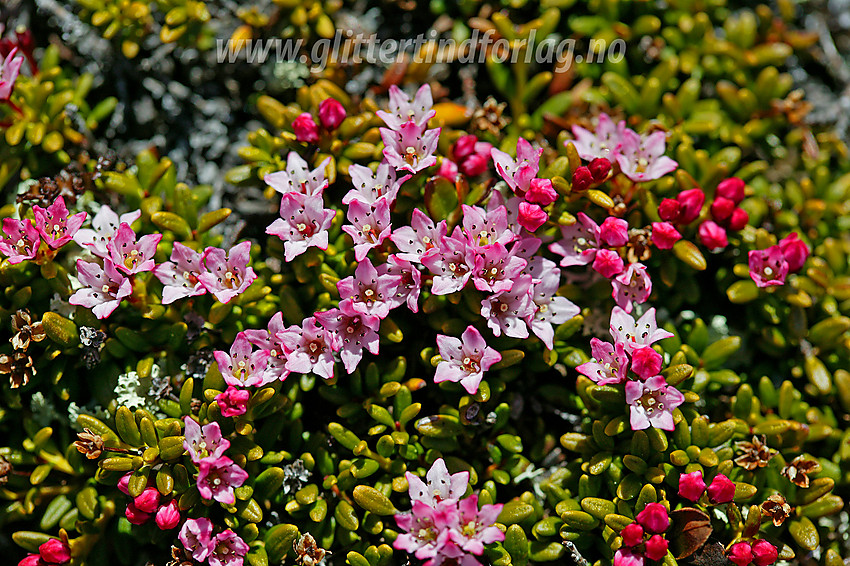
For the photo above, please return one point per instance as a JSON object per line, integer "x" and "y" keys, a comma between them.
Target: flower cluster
{"x": 53, "y": 225}
{"x": 759, "y": 552}
{"x": 331, "y": 115}
{"x": 54, "y": 552}
{"x": 532, "y": 194}
{"x": 720, "y": 490}
{"x": 225, "y": 548}
{"x": 645, "y": 537}
{"x": 445, "y": 526}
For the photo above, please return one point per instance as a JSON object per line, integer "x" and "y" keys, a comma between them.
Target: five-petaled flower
{"x": 651, "y": 403}
{"x": 227, "y": 273}
{"x": 54, "y": 224}
{"x": 105, "y": 287}
{"x": 217, "y": 477}
{"x": 21, "y": 241}
{"x": 180, "y": 278}
{"x": 410, "y": 147}
{"x": 243, "y": 366}
{"x": 303, "y": 222}
{"x": 465, "y": 360}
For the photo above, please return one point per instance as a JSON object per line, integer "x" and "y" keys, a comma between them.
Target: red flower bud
{"x": 541, "y": 192}
{"x": 656, "y": 547}
{"x": 331, "y": 114}
{"x": 712, "y": 236}
{"x": 732, "y": 189}
{"x": 764, "y": 553}
{"x": 664, "y": 235}
{"x": 32, "y": 560}
{"x": 632, "y": 534}
{"x": 135, "y": 516}
{"x": 599, "y": 168}
{"x": 795, "y": 251}
{"x": 148, "y": 500}
{"x": 168, "y": 516}
{"x": 582, "y": 179}
{"x": 741, "y": 553}
{"x": 691, "y": 486}
{"x": 691, "y": 201}
{"x": 464, "y": 146}
{"x": 55, "y": 551}
{"x": 614, "y": 231}
{"x": 669, "y": 210}
{"x": 474, "y": 164}
{"x": 654, "y": 518}
{"x": 738, "y": 219}
{"x": 722, "y": 208}
{"x": 531, "y": 216}
{"x": 305, "y": 128}
{"x": 721, "y": 489}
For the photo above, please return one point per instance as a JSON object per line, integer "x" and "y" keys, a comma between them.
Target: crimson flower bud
{"x": 305, "y": 128}
{"x": 669, "y": 210}
{"x": 732, "y": 189}
{"x": 599, "y": 168}
{"x": 764, "y": 553}
{"x": 582, "y": 179}
{"x": 722, "y": 208}
{"x": 656, "y": 547}
{"x": 738, "y": 219}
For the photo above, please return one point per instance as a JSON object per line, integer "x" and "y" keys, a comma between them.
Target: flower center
{"x": 410, "y": 155}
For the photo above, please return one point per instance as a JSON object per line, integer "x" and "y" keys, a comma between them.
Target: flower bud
{"x": 732, "y": 189}
{"x": 764, "y": 553}
{"x": 712, "y": 236}
{"x": 541, "y": 192}
{"x": 531, "y": 216}
{"x": 582, "y": 179}
{"x": 722, "y": 208}
{"x": 614, "y": 231}
{"x": 124, "y": 482}
{"x": 148, "y": 500}
{"x": 741, "y": 553}
{"x": 632, "y": 534}
{"x": 691, "y": 486}
{"x": 738, "y": 219}
{"x": 599, "y": 168}
{"x": 795, "y": 251}
{"x": 664, "y": 235}
{"x": 608, "y": 263}
{"x": 646, "y": 362}
{"x": 168, "y": 516}
{"x": 691, "y": 202}
{"x": 448, "y": 169}
{"x": 669, "y": 210}
{"x": 135, "y": 516}
{"x": 464, "y": 146}
{"x": 31, "y": 560}
{"x": 654, "y": 518}
{"x": 721, "y": 489}
{"x": 331, "y": 114}
{"x": 656, "y": 547}
{"x": 55, "y": 551}
{"x": 474, "y": 164}
{"x": 305, "y": 128}
{"x": 233, "y": 402}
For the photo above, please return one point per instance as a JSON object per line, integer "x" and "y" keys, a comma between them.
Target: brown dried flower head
{"x": 19, "y": 367}
{"x": 799, "y": 468}
{"x": 26, "y": 330}
{"x": 180, "y": 557}
{"x": 489, "y": 117}
{"x": 90, "y": 444}
{"x": 756, "y": 454}
{"x": 308, "y": 553}
{"x": 5, "y": 470}
{"x": 777, "y": 508}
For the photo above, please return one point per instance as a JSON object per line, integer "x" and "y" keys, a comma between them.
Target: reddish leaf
{"x": 689, "y": 531}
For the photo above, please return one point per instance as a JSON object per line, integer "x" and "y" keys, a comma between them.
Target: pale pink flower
{"x": 768, "y": 267}
{"x": 426, "y": 529}
{"x": 298, "y": 178}
{"x": 180, "y": 279}
{"x": 404, "y": 111}
{"x": 21, "y": 241}
{"x": 54, "y": 224}
{"x": 243, "y": 366}
{"x": 475, "y": 526}
{"x": 550, "y": 309}
{"x": 604, "y": 142}
{"x": 228, "y": 549}
{"x": 371, "y": 187}
{"x": 579, "y": 243}
{"x": 303, "y": 223}
{"x": 441, "y": 486}
{"x": 410, "y": 147}
{"x": 633, "y": 286}
{"x": 105, "y": 287}
{"x": 196, "y": 536}
{"x": 452, "y": 264}
{"x": 485, "y": 228}
{"x": 627, "y": 557}
{"x": 104, "y": 225}
{"x": 518, "y": 173}
{"x": 217, "y": 477}
{"x": 311, "y": 348}
{"x": 355, "y": 331}
{"x": 9, "y": 71}
{"x": 642, "y": 158}
{"x": 651, "y": 403}
{"x": 506, "y": 312}
{"x": 203, "y": 442}
{"x": 496, "y": 269}
{"x": 421, "y": 236}
{"x": 128, "y": 254}
{"x": 270, "y": 341}
{"x": 464, "y": 360}
{"x": 409, "y": 284}
{"x": 369, "y": 226}
{"x": 367, "y": 292}
{"x": 634, "y": 334}
{"x": 609, "y": 364}
{"x": 227, "y": 274}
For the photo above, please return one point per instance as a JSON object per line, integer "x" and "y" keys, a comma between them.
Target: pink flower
{"x": 228, "y": 549}
{"x": 148, "y": 500}
{"x": 656, "y": 547}
{"x": 135, "y": 515}
{"x": 410, "y": 147}
{"x": 518, "y": 174}
{"x": 21, "y": 241}
{"x": 721, "y": 209}
{"x": 367, "y": 292}
{"x": 196, "y": 536}
{"x": 732, "y": 189}
{"x": 168, "y": 516}
{"x": 355, "y": 330}
{"x": 738, "y": 219}
{"x": 614, "y": 232}
{"x": 549, "y": 308}
{"x": 741, "y": 553}
{"x": 579, "y": 242}
{"x": 305, "y": 128}
{"x": 441, "y": 486}
{"x": 331, "y": 114}
{"x": 303, "y": 223}
{"x": 691, "y": 486}
{"x": 609, "y": 363}
{"x": 311, "y": 348}
{"x": 634, "y": 334}
{"x": 664, "y": 235}
{"x": 55, "y": 551}
{"x": 32, "y": 560}
{"x": 632, "y": 534}
{"x": 298, "y": 178}
{"x": 721, "y": 489}
{"x": 203, "y": 442}
{"x": 54, "y": 224}
{"x": 371, "y": 187}
{"x": 582, "y": 179}
{"x": 403, "y": 111}
{"x": 104, "y": 289}
{"x": 233, "y": 402}
{"x": 227, "y": 274}
{"x": 418, "y": 238}
{"x": 651, "y": 403}
{"x": 654, "y": 518}
{"x": 484, "y": 228}
{"x": 464, "y": 360}
{"x": 217, "y": 477}
{"x": 670, "y": 209}
{"x": 608, "y": 263}
{"x": 9, "y": 74}
{"x": 626, "y": 557}
{"x": 448, "y": 169}
{"x": 476, "y": 163}
{"x": 452, "y": 264}
{"x": 795, "y": 251}
{"x": 599, "y": 168}
{"x": 124, "y": 482}
{"x": 531, "y": 216}
{"x": 129, "y": 255}
{"x": 642, "y": 158}
{"x": 104, "y": 225}
{"x": 768, "y": 267}
{"x": 426, "y": 529}
{"x": 496, "y": 269}
{"x": 691, "y": 202}
{"x": 409, "y": 284}
{"x": 180, "y": 279}
{"x": 646, "y": 362}
{"x": 541, "y": 192}
{"x": 369, "y": 226}
{"x": 243, "y": 366}
{"x": 506, "y": 311}
{"x": 712, "y": 235}
{"x": 475, "y": 526}
{"x": 605, "y": 142}
{"x": 631, "y": 286}
{"x": 270, "y": 341}
{"x": 764, "y": 553}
